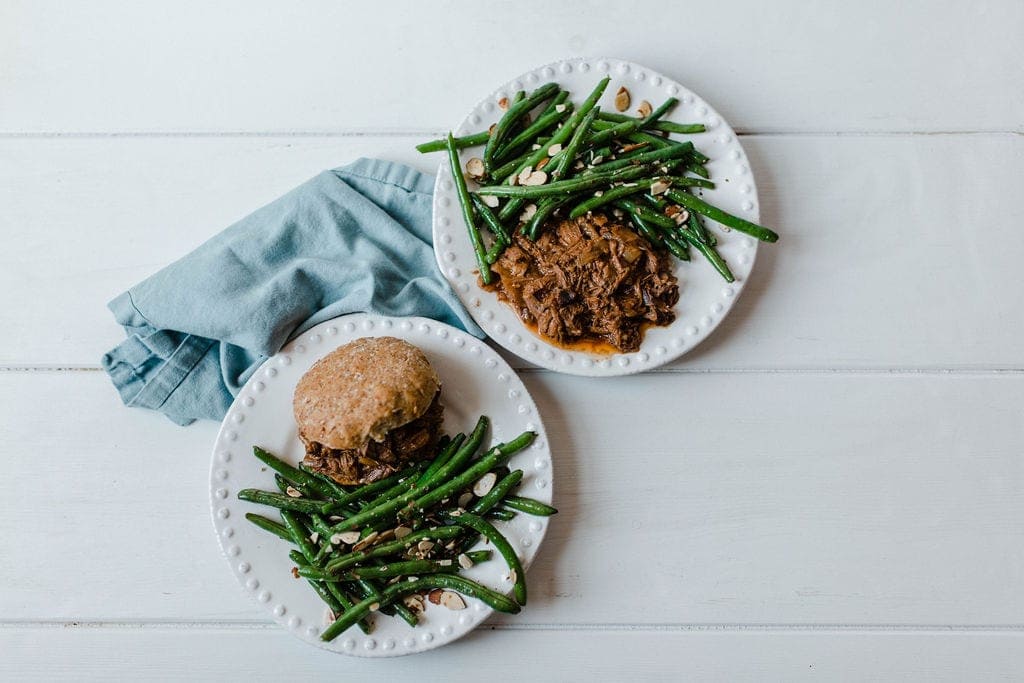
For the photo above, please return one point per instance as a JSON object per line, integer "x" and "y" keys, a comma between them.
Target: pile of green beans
{"x": 421, "y": 522}
{"x": 562, "y": 160}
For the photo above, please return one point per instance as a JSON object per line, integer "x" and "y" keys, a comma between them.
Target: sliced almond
{"x": 314, "y": 537}
{"x": 434, "y": 596}
{"x": 424, "y": 546}
{"x": 644, "y": 109}
{"x": 452, "y": 600}
{"x": 617, "y": 213}
{"x": 465, "y": 498}
{"x": 444, "y": 563}
{"x": 329, "y": 616}
{"x": 366, "y": 542}
{"x": 599, "y": 193}
{"x": 559, "y": 108}
{"x": 457, "y": 512}
{"x": 536, "y": 178}
{"x": 596, "y": 160}
{"x": 631, "y": 147}
{"x": 401, "y": 532}
{"x": 475, "y": 167}
{"x": 622, "y": 99}
{"x": 490, "y": 130}
{"x": 503, "y": 104}
{"x": 543, "y": 162}
{"x": 295, "y": 572}
{"x": 525, "y": 174}
{"x": 578, "y": 165}
{"x": 490, "y": 200}
{"x": 681, "y": 217}
{"x": 534, "y": 148}
{"x": 374, "y": 606}
{"x": 413, "y": 602}
{"x": 348, "y": 537}
{"x": 528, "y": 212}
{"x": 293, "y": 492}
{"x": 335, "y": 518}
{"x": 464, "y": 561}
{"x": 512, "y": 575}
{"x": 554, "y": 149}
{"x": 659, "y": 187}
{"x": 484, "y": 484}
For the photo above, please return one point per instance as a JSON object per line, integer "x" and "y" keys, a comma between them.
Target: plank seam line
{"x": 669, "y": 628}
{"x": 866, "y": 371}
{"x": 404, "y": 133}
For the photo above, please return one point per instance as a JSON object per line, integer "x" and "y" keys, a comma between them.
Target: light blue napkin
{"x": 353, "y": 239}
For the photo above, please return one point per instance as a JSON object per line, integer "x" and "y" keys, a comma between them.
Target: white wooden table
{"x": 831, "y": 487}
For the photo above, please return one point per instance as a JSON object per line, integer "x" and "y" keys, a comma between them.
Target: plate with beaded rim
{"x": 475, "y": 380}
{"x": 705, "y": 298}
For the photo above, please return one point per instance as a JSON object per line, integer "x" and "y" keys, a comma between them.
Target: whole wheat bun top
{"x": 363, "y": 390}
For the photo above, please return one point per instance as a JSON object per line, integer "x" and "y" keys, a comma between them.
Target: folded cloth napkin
{"x": 353, "y": 239}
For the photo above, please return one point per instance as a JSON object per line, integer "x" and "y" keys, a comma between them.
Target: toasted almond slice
{"x": 681, "y": 217}
{"x": 464, "y": 561}
{"x": 465, "y": 498}
{"x": 503, "y": 104}
{"x": 536, "y": 178}
{"x": 374, "y": 606}
{"x": 348, "y": 537}
{"x": 490, "y": 200}
{"x": 444, "y": 563}
{"x": 490, "y": 130}
{"x": 622, "y": 99}
{"x": 559, "y": 108}
{"x": 366, "y": 542}
{"x": 402, "y": 531}
{"x": 293, "y": 492}
{"x": 329, "y": 616}
{"x": 475, "y": 167}
{"x": 554, "y": 149}
{"x": 314, "y": 537}
{"x": 512, "y": 575}
{"x": 434, "y": 596}
{"x": 578, "y": 165}
{"x": 452, "y": 600}
{"x": 617, "y": 213}
{"x": 413, "y": 602}
{"x": 659, "y": 187}
{"x": 485, "y": 483}
{"x": 596, "y": 160}
{"x": 295, "y": 572}
{"x": 525, "y": 174}
{"x": 543, "y": 162}
{"x": 599, "y": 193}
{"x": 528, "y": 211}
{"x": 534, "y": 148}
{"x": 424, "y": 546}
{"x": 644, "y": 109}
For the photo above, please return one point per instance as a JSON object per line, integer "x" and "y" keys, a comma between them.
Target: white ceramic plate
{"x": 705, "y": 298}
{"x": 475, "y": 380}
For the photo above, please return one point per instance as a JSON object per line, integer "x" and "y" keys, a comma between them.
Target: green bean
{"x": 631, "y": 125}
{"x": 441, "y": 144}
{"x": 490, "y": 220}
{"x": 384, "y": 571}
{"x": 560, "y": 98}
{"x": 529, "y": 505}
{"x": 702, "y": 232}
{"x": 658, "y": 203}
{"x": 511, "y": 208}
{"x": 283, "y": 485}
{"x": 296, "y": 556}
{"x": 467, "y": 211}
{"x": 646, "y": 214}
{"x": 565, "y": 187}
{"x": 447, "y": 452}
{"x": 494, "y": 457}
{"x": 572, "y": 149}
{"x": 441, "y": 533}
{"x": 298, "y": 534}
{"x": 370, "y": 489}
{"x": 698, "y": 168}
{"x": 495, "y": 252}
{"x": 337, "y": 488}
{"x": 465, "y": 586}
{"x": 269, "y": 525}
{"x": 466, "y": 451}
{"x": 735, "y": 222}
{"x": 523, "y": 140}
{"x": 664, "y": 126}
{"x": 497, "y": 492}
{"x": 515, "y": 167}
{"x": 503, "y": 515}
{"x": 279, "y": 501}
{"x": 326, "y": 596}
{"x": 663, "y": 154}
{"x": 501, "y": 544}
{"x": 545, "y": 208}
{"x": 642, "y": 226}
{"x": 515, "y": 112}
{"x": 709, "y": 253}
{"x": 478, "y": 556}
{"x": 291, "y": 473}
{"x": 607, "y": 197}
{"x": 347, "y": 603}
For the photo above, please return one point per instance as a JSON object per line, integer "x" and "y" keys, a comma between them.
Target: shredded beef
{"x": 588, "y": 279}
{"x": 375, "y": 460}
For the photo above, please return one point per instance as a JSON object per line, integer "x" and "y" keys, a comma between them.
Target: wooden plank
{"x": 897, "y": 251}
{"x": 86, "y": 654}
{"x": 405, "y": 65}
{"x": 808, "y": 498}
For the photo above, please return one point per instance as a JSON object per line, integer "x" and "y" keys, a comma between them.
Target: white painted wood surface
{"x": 830, "y": 488}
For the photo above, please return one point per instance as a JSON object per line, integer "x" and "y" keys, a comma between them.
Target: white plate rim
{"x": 661, "y": 345}
{"x": 230, "y": 449}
